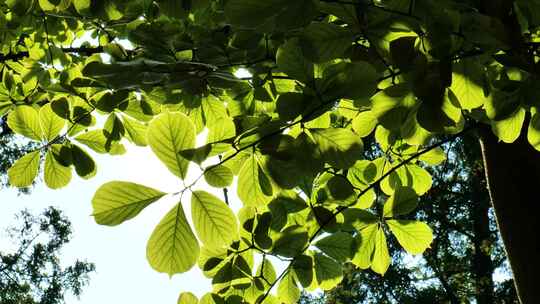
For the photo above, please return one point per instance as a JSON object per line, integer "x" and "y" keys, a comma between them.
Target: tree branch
{"x": 87, "y": 51}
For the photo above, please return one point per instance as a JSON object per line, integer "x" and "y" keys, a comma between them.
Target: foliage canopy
{"x": 326, "y": 79}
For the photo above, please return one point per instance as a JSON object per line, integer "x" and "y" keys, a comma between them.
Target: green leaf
{"x": 381, "y": 258}
{"x": 97, "y": 141}
{"x": 213, "y": 109}
{"x": 290, "y": 105}
{"x": 211, "y": 298}
{"x": 23, "y": 172}
{"x": 221, "y": 129}
{"x": 324, "y": 41}
{"x": 366, "y": 245}
{"x": 340, "y": 190}
{"x": 508, "y": 129}
{"x": 116, "y": 202}
{"x": 24, "y": 120}
{"x": 303, "y": 268}
{"x": 49, "y": 5}
{"x": 291, "y": 241}
{"x": 328, "y": 272}
{"x": 214, "y": 221}
{"x": 84, "y": 164}
{"x": 468, "y": 80}
{"x": 56, "y": 175}
{"x": 391, "y": 106}
{"x": 364, "y": 123}
{"x": 339, "y": 147}
{"x": 440, "y": 114}
{"x": 136, "y": 131}
{"x": 254, "y": 186}
{"x": 339, "y": 246}
{"x": 291, "y": 60}
{"x": 236, "y": 273}
{"x": 359, "y": 219}
{"x": 172, "y": 247}
{"x": 168, "y": 134}
{"x": 82, "y": 6}
{"x": 252, "y": 13}
{"x": 433, "y": 157}
{"x": 51, "y": 123}
{"x": 288, "y": 291}
{"x": 218, "y": 176}
{"x": 352, "y": 80}
{"x": 266, "y": 271}
{"x": 414, "y": 236}
{"x": 410, "y": 175}
{"x": 403, "y": 201}
{"x": 533, "y": 132}
{"x": 187, "y": 298}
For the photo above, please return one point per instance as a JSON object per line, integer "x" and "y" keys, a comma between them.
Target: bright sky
{"x": 123, "y": 274}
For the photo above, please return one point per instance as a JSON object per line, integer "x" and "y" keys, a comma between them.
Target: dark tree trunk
{"x": 513, "y": 177}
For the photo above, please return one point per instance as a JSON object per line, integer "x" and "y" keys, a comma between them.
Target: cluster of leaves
{"x": 325, "y": 76}
{"x": 466, "y": 254}
{"x": 32, "y": 272}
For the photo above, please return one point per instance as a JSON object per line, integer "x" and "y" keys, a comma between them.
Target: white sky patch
{"x": 242, "y": 73}
{"x": 106, "y": 58}
{"x": 126, "y": 44}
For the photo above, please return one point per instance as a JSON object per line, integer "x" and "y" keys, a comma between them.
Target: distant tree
{"x": 31, "y": 273}
{"x": 465, "y": 253}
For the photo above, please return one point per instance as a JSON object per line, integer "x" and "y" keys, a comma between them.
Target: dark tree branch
{"x": 86, "y": 51}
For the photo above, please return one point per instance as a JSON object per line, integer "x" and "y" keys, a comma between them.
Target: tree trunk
{"x": 513, "y": 178}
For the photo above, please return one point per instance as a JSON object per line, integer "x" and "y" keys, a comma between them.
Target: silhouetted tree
{"x": 31, "y": 273}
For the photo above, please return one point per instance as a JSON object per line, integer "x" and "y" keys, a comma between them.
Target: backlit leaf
{"x": 168, "y": 134}
{"x": 23, "y": 172}
{"x": 117, "y": 202}
{"x": 214, "y": 221}
{"x": 172, "y": 247}
{"x": 414, "y": 236}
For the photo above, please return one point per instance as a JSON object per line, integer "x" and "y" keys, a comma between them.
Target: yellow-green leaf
{"x": 339, "y": 147}
{"x": 327, "y": 271}
{"x": 288, "y": 291}
{"x": 136, "y": 131}
{"x": 24, "y": 170}
{"x": 214, "y": 221}
{"x": 366, "y": 244}
{"x": 168, "y": 134}
{"x": 433, "y": 157}
{"x": 218, "y": 176}
{"x": 24, "y": 120}
{"x": 364, "y": 123}
{"x": 381, "y": 258}
{"x": 403, "y": 201}
{"x": 414, "y": 236}
{"x": 508, "y": 129}
{"x": 254, "y": 187}
{"x": 51, "y": 124}
{"x": 533, "y": 132}
{"x": 116, "y": 202}
{"x": 56, "y": 175}
{"x": 187, "y": 298}
{"x": 172, "y": 247}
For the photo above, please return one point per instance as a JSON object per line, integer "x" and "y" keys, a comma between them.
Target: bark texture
{"x": 513, "y": 177}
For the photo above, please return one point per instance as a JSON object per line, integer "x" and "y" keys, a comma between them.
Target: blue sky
{"x": 123, "y": 274}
